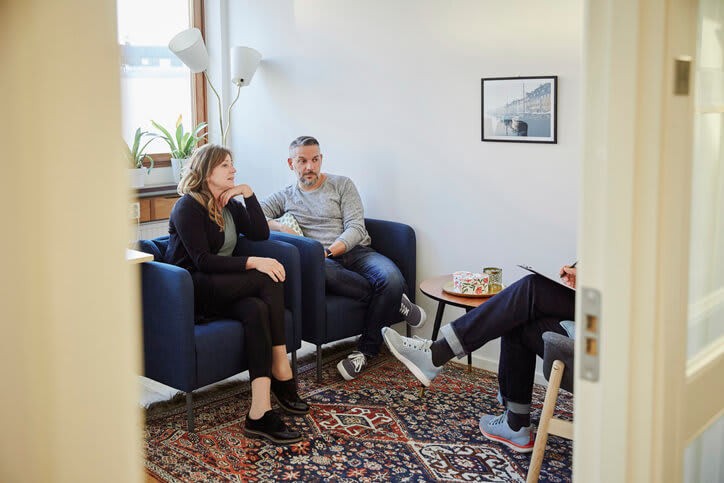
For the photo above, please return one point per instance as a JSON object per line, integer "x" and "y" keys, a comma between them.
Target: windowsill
{"x": 148, "y": 191}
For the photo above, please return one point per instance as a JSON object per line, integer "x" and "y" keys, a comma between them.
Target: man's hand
{"x": 270, "y": 266}
{"x": 240, "y": 189}
{"x": 568, "y": 275}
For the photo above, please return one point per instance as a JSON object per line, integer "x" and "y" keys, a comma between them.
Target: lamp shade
{"x": 190, "y": 48}
{"x": 244, "y": 61}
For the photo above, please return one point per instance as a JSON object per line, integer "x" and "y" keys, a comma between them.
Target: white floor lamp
{"x": 190, "y": 48}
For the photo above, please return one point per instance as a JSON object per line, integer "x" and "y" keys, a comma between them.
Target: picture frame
{"x": 519, "y": 109}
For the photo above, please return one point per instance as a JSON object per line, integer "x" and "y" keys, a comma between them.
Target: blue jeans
{"x": 368, "y": 276}
{"x": 519, "y": 315}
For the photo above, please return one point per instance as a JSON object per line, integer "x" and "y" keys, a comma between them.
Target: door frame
{"x": 637, "y": 418}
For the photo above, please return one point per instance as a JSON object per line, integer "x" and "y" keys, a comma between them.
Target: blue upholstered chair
{"x": 327, "y": 317}
{"x": 185, "y": 355}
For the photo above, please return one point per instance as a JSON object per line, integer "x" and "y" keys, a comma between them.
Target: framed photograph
{"x": 520, "y": 109}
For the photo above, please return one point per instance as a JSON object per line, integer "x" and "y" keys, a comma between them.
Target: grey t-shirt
{"x": 332, "y": 212}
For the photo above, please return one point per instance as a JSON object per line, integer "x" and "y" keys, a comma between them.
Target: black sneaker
{"x": 351, "y": 367}
{"x": 271, "y": 427}
{"x": 285, "y": 392}
{"x": 413, "y": 314}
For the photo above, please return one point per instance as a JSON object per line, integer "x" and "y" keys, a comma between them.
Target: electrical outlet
{"x": 134, "y": 210}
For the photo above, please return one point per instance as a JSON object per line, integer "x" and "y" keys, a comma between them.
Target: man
{"x": 328, "y": 209}
{"x": 519, "y": 315}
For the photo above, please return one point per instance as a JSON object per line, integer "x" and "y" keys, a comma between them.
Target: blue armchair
{"x": 327, "y": 317}
{"x": 185, "y": 355}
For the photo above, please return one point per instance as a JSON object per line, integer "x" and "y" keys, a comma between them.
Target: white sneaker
{"x": 414, "y": 353}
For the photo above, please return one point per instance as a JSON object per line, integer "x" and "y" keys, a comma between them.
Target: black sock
{"x": 517, "y": 421}
{"x": 441, "y": 352}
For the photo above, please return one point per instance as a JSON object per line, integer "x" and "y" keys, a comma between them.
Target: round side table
{"x": 432, "y": 287}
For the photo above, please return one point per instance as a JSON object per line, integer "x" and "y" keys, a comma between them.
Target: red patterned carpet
{"x": 375, "y": 428}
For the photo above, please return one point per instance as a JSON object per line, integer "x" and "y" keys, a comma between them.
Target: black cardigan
{"x": 195, "y": 240}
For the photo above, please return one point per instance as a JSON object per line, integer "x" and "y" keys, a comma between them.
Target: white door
{"x": 649, "y": 400}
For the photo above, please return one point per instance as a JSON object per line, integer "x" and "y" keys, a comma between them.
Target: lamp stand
{"x": 223, "y": 131}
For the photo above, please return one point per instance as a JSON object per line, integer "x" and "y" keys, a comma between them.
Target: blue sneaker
{"x": 496, "y": 428}
{"x": 414, "y": 353}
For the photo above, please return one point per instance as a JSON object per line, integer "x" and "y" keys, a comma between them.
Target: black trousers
{"x": 519, "y": 315}
{"x": 251, "y": 297}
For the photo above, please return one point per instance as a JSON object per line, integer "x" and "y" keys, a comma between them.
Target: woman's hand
{"x": 240, "y": 189}
{"x": 270, "y": 266}
{"x": 568, "y": 275}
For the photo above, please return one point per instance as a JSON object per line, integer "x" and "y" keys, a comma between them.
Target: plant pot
{"x": 177, "y": 166}
{"x": 136, "y": 176}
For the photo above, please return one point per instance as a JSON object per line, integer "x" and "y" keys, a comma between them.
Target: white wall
{"x": 392, "y": 91}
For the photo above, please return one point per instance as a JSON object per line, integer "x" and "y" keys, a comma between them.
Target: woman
{"x": 204, "y": 227}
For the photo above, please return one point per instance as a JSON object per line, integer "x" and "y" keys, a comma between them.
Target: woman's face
{"x": 222, "y": 176}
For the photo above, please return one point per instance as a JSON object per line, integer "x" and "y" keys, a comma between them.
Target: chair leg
{"x": 541, "y": 438}
{"x": 294, "y": 369}
{"x": 319, "y": 364}
{"x": 189, "y": 413}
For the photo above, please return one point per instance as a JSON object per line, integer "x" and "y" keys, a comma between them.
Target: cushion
{"x": 289, "y": 220}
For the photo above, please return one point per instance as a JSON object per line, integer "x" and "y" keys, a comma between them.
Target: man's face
{"x": 306, "y": 162}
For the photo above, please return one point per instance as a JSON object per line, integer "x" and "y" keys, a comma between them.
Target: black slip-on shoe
{"x": 285, "y": 392}
{"x": 271, "y": 427}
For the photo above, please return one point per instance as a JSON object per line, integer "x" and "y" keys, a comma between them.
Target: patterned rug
{"x": 375, "y": 428}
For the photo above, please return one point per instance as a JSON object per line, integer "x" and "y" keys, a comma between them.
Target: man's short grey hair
{"x": 302, "y": 141}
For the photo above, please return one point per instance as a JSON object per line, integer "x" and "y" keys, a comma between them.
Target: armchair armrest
{"x": 287, "y": 255}
{"x": 397, "y": 242}
{"x": 168, "y": 325}
{"x": 311, "y": 260}
{"x": 559, "y": 347}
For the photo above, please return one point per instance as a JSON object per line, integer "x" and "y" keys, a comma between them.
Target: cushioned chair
{"x": 327, "y": 317}
{"x": 558, "y": 369}
{"x": 185, "y": 355}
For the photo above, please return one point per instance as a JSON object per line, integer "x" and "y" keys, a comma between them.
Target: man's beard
{"x": 309, "y": 182}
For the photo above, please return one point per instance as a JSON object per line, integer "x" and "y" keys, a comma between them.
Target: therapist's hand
{"x": 568, "y": 275}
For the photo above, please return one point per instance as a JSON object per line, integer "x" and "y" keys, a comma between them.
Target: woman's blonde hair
{"x": 193, "y": 181}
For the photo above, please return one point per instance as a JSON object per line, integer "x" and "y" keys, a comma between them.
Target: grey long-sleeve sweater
{"x": 332, "y": 212}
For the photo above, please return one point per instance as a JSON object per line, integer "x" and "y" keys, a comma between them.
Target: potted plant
{"x": 182, "y": 145}
{"x": 135, "y": 155}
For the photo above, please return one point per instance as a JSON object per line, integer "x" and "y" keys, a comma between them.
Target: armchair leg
{"x": 541, "y": 437}
{"x": 189, "y": 413}
{"x": 319, "y": 364}
{"x": 294, "y": 369}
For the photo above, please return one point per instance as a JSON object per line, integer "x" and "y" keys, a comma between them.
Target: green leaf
{"x": 136, "y": 141}
{"x": 166, "y": 136}
{"x": 179, "y": 135}
{"x": 150, "y": 160}
{"x": 199, "y": 128}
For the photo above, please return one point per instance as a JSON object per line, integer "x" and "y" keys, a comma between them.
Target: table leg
{"x": 470, "y": 355}
{"x": 438, "y": 319}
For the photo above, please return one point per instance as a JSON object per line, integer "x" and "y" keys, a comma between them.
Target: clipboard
{"x": 555, "y": 279}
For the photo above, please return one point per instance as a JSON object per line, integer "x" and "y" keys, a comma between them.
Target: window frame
{"x": 198, "y": 88}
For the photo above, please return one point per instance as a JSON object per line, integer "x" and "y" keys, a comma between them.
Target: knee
{"x": 393, "y": 282}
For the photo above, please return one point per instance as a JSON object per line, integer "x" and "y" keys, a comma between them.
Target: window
{"x": 155, "y": 84}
